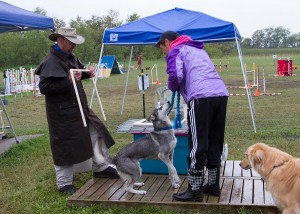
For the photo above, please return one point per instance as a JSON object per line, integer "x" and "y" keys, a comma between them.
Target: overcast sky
{"x": 248, "y": 16}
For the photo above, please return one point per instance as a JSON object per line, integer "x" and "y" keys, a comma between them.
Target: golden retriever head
{"x": 263, "y": 158}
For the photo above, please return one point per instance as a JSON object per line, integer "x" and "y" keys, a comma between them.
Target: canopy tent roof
{"x": 197, "y": 25}
{"x": 13, "y": 18}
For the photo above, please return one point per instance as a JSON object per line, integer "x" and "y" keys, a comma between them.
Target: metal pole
{"x": 129, "y": 64}
{"x": 78, "y": 98}
{"x": 250, "y": 101}
{"x": 143, "y": 91}
{"x": 96, "y": 75}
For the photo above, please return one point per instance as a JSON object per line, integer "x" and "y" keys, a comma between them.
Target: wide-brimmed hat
{"x": 68, "y": 33}
{"x": 170, "y": 35}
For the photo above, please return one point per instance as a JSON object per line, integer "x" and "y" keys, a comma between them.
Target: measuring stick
{"x": 77, "y": 95}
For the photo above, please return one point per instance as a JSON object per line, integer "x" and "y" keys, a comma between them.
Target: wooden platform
{"x": 240, "y": 188}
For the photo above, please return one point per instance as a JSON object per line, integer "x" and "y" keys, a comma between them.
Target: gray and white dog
{"x": 158, "y": 144}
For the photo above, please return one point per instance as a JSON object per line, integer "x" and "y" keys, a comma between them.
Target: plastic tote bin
{"x": 179, "y": 158}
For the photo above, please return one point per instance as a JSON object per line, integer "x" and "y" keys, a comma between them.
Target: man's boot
{"x": 213, "y": 185}
{"x": 194, "y": 190}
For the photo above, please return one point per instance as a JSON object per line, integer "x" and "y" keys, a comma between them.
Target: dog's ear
{"x": 152, "y": 117}
{"x": 258, "y": 156}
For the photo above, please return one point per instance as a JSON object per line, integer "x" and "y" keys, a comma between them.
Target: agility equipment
{"x": 156, "y": 82}
{"x": 77, "y": 95}
{"x": 220, "y": 66}
{"x": 284, "y": 67}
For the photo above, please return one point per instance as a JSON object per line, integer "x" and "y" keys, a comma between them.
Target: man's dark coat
{"x": 70, "y": 140}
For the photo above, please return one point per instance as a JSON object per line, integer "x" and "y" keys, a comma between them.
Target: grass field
{"x": 27, "y": 180}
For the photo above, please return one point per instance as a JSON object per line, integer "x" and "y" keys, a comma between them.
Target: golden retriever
{"x": 281, "y": 173}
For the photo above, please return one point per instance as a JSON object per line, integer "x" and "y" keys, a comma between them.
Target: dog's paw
{"x": 141, "y": 192}
{"x": 176, "y": 183}
{"x": 135, "y": 191}
{"x": 176, "y": 186}
{"x": 139, "y": 184}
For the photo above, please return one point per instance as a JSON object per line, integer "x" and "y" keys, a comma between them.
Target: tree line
{"x": 272, "y": 37}
{"x": 29, "y": 48}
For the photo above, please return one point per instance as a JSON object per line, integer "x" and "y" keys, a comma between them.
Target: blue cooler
{"x": 179, "y": 159}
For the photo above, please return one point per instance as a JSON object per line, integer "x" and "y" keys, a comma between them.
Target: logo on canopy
{"x": 113, "y": 37}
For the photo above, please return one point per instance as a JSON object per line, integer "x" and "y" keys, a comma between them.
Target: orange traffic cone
{"x": 257, "y": 93}
{"x": 157, "y": 82}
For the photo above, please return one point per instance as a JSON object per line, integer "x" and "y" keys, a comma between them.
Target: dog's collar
{"x": 274, "y": 167}
{"x": 165, "y": 128}
{"x": 278, "y": 165}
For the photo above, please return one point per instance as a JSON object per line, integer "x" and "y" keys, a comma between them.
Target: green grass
{"x": 27, "y": 180}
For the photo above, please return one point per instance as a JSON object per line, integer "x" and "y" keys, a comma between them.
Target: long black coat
{"x": 70, "y": 140}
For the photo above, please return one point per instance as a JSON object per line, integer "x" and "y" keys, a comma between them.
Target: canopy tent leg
{"x": 97, "y": 73}
{"x": 251, "y": 105}
{"x": 129, "y": 64}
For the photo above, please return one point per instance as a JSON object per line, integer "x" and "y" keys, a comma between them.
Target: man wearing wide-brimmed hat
{"x": 71, "y": 142}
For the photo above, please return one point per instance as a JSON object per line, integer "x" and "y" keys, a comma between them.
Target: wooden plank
{"x": 268, "y": 196}
{"x": 93, "y": 188}
{"x": 246, "y": 173}
{"x": 102, "y": 190}
{"x": 237, "y": 170}
{"x": 118, "y": 194}
{"x": 162, "y": 191}
{"x": 255, "y": 174}
{"x": 247, "y": 191}
{"x": 215, "y": 199}
{"x": 240, "y": 188}
{"x": 152, "y": 191}
{"x": 148, "y": 183}
{"x": 226, "y": 191}
{"x": 228, "y": 169}
{"x": 183, "y": 186}
{"x": 169, "y": 195}
{"x": 86, "y": 186}
{"x": 237, "y": 191}
{"x": 258, "y": 192}
{"x": 117, "y": 185}
{"x": 127, "y": 196}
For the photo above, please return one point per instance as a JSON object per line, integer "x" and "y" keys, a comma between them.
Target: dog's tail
{"x": 102, "y": 158}
{"x": 111, "y": 160}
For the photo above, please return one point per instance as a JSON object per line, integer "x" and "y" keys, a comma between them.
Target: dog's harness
{"x": 165, "y": 128}
{"x": 177, "y": 120}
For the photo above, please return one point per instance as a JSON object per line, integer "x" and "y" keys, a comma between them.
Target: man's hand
{"x": 91, "y": 71}
{"x": 77, "y": 75}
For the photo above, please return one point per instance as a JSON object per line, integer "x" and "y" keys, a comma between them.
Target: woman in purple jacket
{"x": 192, "y": 73}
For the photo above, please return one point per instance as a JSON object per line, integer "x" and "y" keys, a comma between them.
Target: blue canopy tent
{"x": 147, "y": 30}
{"x": 199, "y": 26}
{"x": 13, "y": 19}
